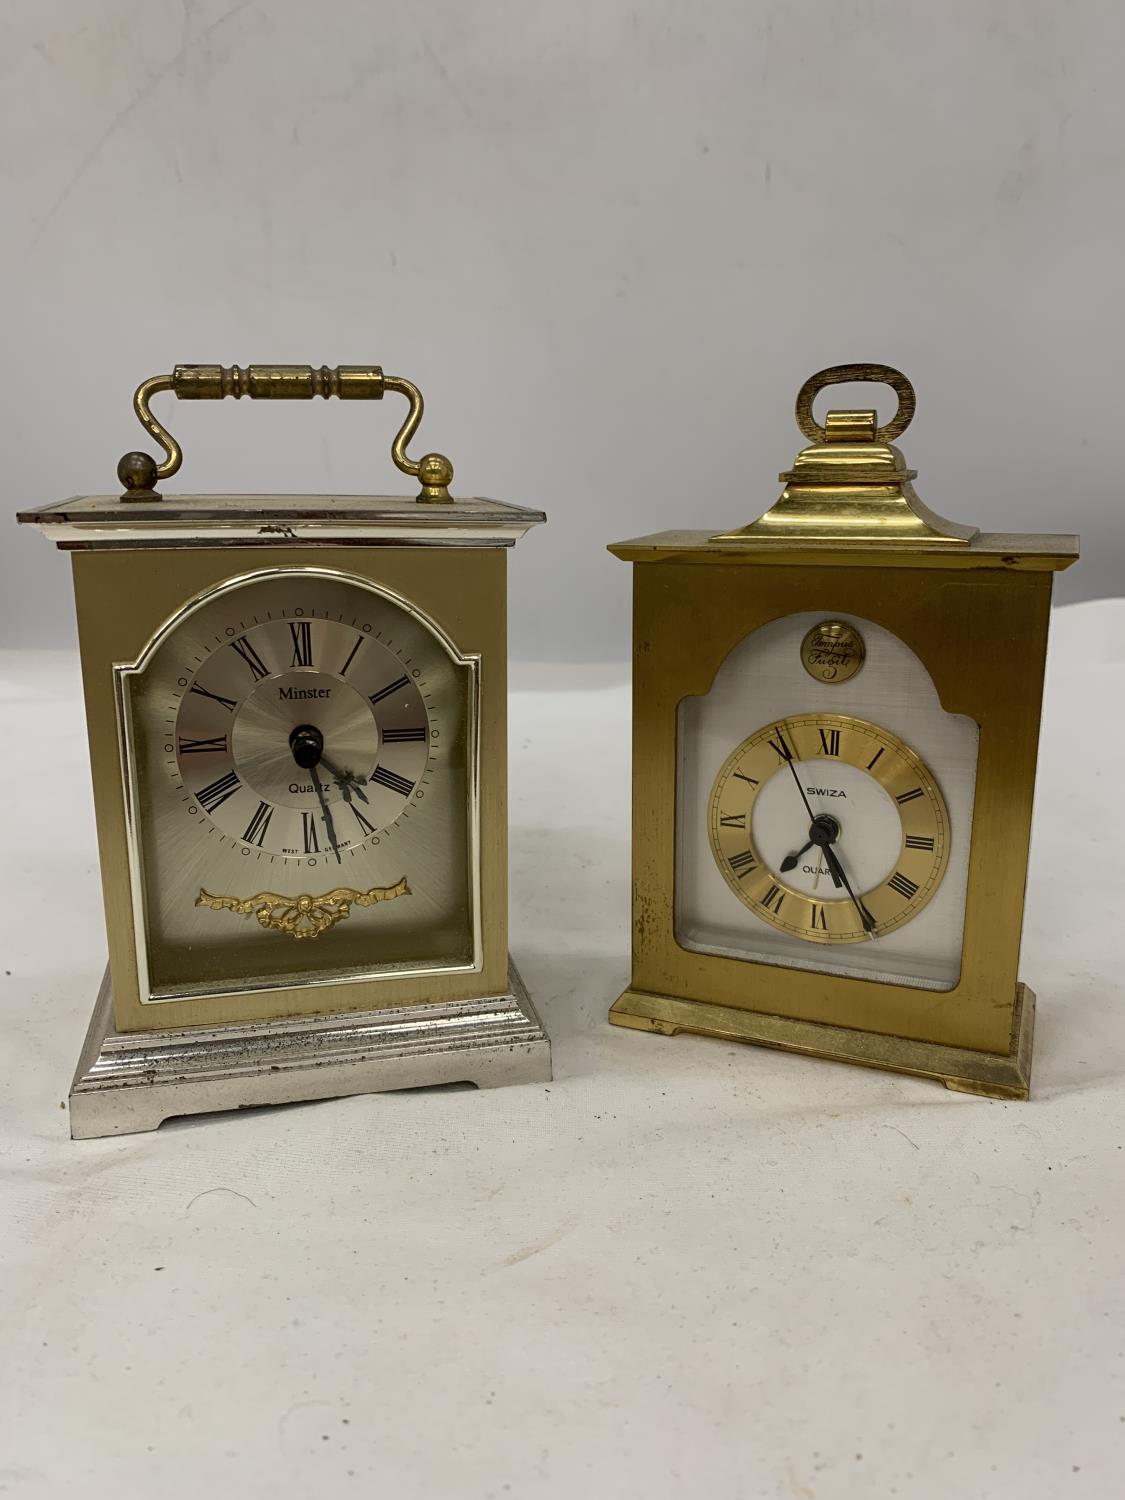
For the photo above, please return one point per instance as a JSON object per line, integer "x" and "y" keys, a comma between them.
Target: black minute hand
{"x": 837, "y": 870}
{"x": 793, "y": 769}
{"x": 307, "y": 744}
{"x": 325, "y": 813}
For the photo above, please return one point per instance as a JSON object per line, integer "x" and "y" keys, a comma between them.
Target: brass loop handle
{"x": 139, "y": 472}
{"x": 839, "y": 375}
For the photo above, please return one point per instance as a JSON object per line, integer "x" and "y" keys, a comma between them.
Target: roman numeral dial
{"x": 212, "y": 796}
{"x": 259, "y": 824}
{"x": 300, "y": 633}
{"x": 827, "y": 827}
{"x": 249, "y": 655}
{"x": 359, "y": 706}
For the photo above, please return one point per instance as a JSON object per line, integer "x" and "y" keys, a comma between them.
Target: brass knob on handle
{"x": 139, "y": 472}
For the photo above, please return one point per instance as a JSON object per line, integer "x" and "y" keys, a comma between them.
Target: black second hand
{"x": 793, "y": 769}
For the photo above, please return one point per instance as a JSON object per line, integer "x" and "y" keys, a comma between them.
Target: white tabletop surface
{"x": 683, "y": 1268}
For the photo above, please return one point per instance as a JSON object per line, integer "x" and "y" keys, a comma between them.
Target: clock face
{"x": 299, "y": 752}
{"x": 829, "y": 828}
{"x": 303, "y": 737}
{"x": 824, "y": 807}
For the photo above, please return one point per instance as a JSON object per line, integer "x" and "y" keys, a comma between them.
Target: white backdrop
{"x": 608, "y": 240}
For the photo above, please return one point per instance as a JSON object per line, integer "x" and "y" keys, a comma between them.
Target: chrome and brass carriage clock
{"x": 836, "y": 719}
{"x": 297, "y": 719}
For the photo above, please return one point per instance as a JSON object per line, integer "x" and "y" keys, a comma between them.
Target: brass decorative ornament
{"x": 292, "y": 701}
{"x": 303, "y": 917}
{"x": 833, "y": 767}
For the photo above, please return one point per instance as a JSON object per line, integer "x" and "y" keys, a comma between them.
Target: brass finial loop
{"x": 851, "y": 487}
{"x": 842, "y": 374}
{"x": 139, "y": 472}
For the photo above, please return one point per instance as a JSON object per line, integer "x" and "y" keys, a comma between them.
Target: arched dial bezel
{"x": 918, "y": 870}
{"x": 426, "y": 821}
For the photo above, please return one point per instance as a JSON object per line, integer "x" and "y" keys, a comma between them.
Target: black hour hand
{"x": 790, "y": 860}
{"x": 347, "y": 781}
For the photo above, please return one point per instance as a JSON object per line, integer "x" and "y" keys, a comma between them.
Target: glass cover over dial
{"x": 824, "y": 816}
{"x": 301, "y": 765}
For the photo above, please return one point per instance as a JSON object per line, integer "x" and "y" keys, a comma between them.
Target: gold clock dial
{"x": 829, "y": 828}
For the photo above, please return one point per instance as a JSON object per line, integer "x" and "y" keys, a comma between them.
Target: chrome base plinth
{"x": 126, "y": 1083}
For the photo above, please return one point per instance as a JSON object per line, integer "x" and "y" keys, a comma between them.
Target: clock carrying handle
{"x": 139, "y": 472}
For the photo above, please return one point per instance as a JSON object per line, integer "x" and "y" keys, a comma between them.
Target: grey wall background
{"x": 609, "y": 241}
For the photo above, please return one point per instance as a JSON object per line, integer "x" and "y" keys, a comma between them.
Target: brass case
{"x": 974, "y": 608}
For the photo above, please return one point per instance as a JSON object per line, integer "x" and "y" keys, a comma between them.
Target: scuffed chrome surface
{"x": 131, "y": 1082}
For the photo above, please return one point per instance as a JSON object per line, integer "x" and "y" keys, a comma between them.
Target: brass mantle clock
{"x": 836, "y": 718}
{"x": 297, "y": 718}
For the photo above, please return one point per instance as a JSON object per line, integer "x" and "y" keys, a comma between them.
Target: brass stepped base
{"x": 995, "y": 1076}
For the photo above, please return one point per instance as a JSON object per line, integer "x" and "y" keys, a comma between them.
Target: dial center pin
{"x": 307, "y": 745}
